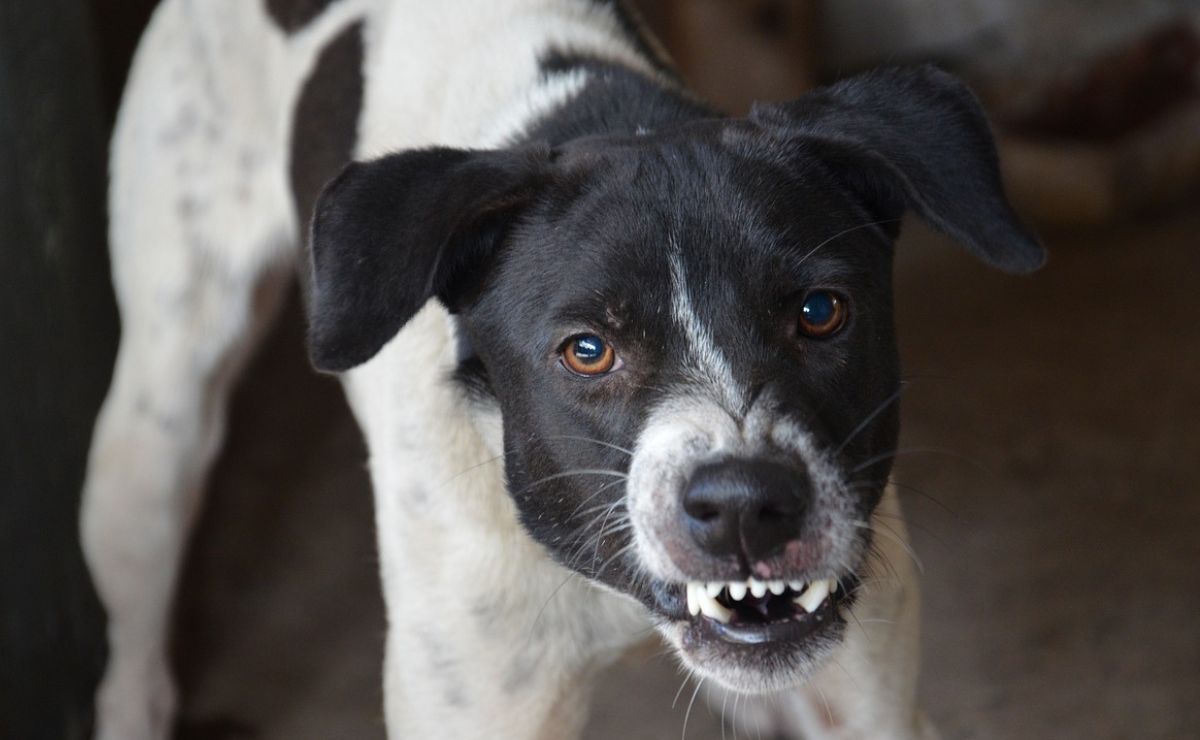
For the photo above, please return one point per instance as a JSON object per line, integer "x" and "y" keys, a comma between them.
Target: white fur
{"x": 203, "y": 236}
{"x": 710, "y": 365}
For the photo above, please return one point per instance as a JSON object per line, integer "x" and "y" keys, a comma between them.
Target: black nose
{"x": 748, "y": 507}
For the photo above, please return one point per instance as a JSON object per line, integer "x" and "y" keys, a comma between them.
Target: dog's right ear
{"x": 389, "y": 234}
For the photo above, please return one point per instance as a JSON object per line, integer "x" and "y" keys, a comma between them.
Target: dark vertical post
{"x": 58, "y": 332}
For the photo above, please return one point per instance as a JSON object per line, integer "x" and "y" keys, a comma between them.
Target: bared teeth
{"x": 701, "y": 600}
{"x": 714, "y": 610}
{"x": 814, "y": 595}
{"x": 693, "y": 601}
{"x": 702, "y": 596}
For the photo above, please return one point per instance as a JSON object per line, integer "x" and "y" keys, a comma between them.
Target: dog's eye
{"x": 588, "y": 355}
{"x": 821, "y": 314}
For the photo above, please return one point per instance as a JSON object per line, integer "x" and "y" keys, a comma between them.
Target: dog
{"x": 622, "y": 363}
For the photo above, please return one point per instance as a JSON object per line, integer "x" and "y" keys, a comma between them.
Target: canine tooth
{"x": 776, "y": 587}
{"x": 737, "y": 591}
{"x": 812, "y": 598}
{"x": 693, "y": 599}
{"x": 710, "y": 608}
{"x": 796, "y": 586}
{"x": 833, "y": 585}
{"x": 758, "y": 589}
{"x": 714, "y": 588}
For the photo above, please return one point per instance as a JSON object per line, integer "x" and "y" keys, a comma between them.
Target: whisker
{"x": 598, "y": 507}
{"x": 849, "y": 675}
{"x": 927, "y": 495}
{"x": 870, "y": 417}
{"x": 549, "y": 598}
{"x": 909, "y": 521}
{"x": 828, "y": 710}
{"x": 915, "y": 450}
{"x": 860, "y": 625}
{"x": 615, "y": 555}
{"x": 600, "y": 534}
{"x": 881, "y": 558}
{"x": 886, "y": 530}
{"x": 602, "y": 443}
{"x": 842, "y": 233}
{"x": 724, "y": 702}
{"x": 538, "y": 482}
{"x": 615, "y": 528}
{"x": 687, "y": 677}
{"x": 464, "y": 471}
{"x": 602, "y": 515}
{"x": 688, "y": 713}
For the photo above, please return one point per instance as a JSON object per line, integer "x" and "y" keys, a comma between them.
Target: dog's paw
{"x": 135, "y": 702}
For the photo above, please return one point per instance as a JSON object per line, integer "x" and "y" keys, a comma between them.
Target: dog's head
{"x": 689, "y": 335}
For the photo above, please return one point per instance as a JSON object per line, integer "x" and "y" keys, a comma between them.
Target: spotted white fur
{"x": 204, "y": 234}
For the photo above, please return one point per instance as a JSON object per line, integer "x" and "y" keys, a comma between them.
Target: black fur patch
{"x": 293, "y": 15}
{"x": 325, "y": 125}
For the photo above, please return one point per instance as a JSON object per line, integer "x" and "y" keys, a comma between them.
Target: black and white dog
{"x": 620, "y": 361}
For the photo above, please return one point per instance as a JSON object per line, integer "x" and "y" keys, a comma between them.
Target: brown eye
{"x": 822, "y": 314}
{"x": 589, "y": 355}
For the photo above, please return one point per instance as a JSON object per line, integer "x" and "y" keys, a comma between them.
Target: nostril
{"x": 772, "y": 514}
{"x": 704, "y": 514}
{"x": 784, "y": 503}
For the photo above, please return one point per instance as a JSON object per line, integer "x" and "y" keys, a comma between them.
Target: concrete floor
{"x": 1061, "y": 539}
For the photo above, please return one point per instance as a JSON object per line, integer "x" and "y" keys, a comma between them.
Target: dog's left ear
{"x": 912, "y": 138}
{"x": 389, "y": 234}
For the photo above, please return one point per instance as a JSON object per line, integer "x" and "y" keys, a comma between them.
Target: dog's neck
{"x": 614, "y": 100}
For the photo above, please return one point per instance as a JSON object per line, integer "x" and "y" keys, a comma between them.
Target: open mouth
{"x": 754, "y": 612}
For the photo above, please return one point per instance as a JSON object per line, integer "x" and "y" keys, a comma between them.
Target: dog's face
{"x": 688, "y": 334}
{"x": 697, "y": 381}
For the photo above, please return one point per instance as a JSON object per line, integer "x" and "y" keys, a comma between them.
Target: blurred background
{"x": 1059, "y": 532}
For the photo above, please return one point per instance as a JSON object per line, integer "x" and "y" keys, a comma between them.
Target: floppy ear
{"x": 389, "y": 234}
{"x": 912, "y": 138}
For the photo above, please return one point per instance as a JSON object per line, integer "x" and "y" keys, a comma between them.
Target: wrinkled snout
{"x": 749, "y": 509}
